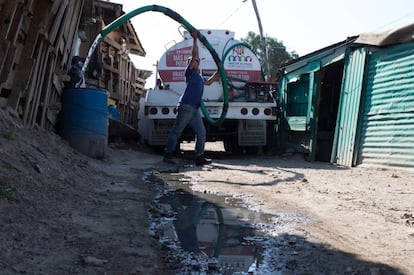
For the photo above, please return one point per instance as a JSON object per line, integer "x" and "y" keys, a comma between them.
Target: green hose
{"x": 221, "y": 226}
{"x": 172, "y": 14}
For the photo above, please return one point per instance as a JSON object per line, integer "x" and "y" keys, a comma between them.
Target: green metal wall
{"x": 297, "y": 99}
{"x": 387, "y": 126}
{"x": 349, "y": 106}
{"x": 297, "y": 103}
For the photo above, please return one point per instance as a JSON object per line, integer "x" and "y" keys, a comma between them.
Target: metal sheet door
{"x": 349, "y": 106}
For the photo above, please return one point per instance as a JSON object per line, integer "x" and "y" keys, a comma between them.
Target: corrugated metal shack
{"x": 39, "y": 39}
{"x": 352, "y": 103}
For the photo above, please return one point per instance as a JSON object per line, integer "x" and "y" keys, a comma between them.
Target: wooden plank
{"x": 40, "y": 80}
{"x": 14, "y": 47}
{"x": 67, "y": 35}
{"x": 32, "y": 94}
{"x": 121, "y": 82}
{"x": 110, "y": 68}
{"x": 120, "y": 129}
{"x": 7, "y": 12}
{"x": 57, "y": 83}
{"x": 57, "y": 21}
{"x": 29, "y": 90}
{"x": 7, "y": 64}
{"x": 112, "y": 43}
{"x": 9, "y": 29}
{"x": 55, "y": 6}
{"x": 30, "y": 4}
{"x": 27, "y": 58}
{"x": 46, "y": 90}
{"x": 72, "y": 22}
{"x": 15, "y": 23}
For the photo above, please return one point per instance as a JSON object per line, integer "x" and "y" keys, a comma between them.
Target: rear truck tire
{"x": 271, "y": 138}
{"x": 231, "y": 145}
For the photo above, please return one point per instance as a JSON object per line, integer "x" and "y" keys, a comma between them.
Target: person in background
{"x": 77, "y": 80}
{"x": 188, "y": 108}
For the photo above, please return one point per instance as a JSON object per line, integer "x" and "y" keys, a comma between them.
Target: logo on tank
{"x": 239, "y": 56}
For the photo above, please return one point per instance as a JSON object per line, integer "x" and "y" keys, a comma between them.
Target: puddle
{"x": 210, "y": 234}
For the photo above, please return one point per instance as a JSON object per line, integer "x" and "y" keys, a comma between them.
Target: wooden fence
{"x": 36, "y": 40}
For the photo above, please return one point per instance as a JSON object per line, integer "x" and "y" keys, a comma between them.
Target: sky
{"x": 302, "y": 26}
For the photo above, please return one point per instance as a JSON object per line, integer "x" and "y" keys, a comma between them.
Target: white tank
{"x": 240, "y": 63}
{"x": 251, "y": 108}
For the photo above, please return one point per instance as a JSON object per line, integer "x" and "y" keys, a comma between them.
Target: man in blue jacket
{"x": 188, "y": 108}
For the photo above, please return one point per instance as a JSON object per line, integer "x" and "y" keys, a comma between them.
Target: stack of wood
{"x": 38, "y": 39}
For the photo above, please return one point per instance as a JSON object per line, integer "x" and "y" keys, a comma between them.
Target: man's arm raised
{"x": 195, "y": 57}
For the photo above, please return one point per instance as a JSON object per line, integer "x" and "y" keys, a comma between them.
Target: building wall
{"x": 387, "y": 120}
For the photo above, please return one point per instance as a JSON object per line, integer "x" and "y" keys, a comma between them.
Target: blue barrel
{"x": 84, "y": 120}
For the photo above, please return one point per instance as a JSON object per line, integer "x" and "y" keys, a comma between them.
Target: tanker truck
{"x": 251, "y": 121}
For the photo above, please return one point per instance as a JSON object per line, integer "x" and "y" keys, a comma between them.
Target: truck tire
{"x": 231, "y": 146}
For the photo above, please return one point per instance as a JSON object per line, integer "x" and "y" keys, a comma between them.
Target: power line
{"x": 394, "y": 21}
{"x": 231, "y": 15}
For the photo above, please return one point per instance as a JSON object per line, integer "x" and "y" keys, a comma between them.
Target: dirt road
{"x": 65, "y": 213}
{"x": 364, "y": 212}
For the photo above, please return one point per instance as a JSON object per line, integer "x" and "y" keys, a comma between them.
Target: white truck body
{"x": 252, "y": 108}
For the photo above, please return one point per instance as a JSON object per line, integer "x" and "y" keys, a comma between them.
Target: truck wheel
{"x": 271, "y": 139}
{"x": 231, "y": 146}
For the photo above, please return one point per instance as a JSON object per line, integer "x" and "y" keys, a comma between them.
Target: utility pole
{"x": 263, "y": 42}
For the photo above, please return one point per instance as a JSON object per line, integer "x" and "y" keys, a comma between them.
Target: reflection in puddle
{"x": 209, "y": 234}
{"x": 214, "y": 229}
{"x": 211, "y": 231}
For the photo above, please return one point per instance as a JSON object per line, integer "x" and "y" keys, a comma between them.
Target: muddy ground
{"x": 65, "y": 213}
{"x": 361, "y": 218}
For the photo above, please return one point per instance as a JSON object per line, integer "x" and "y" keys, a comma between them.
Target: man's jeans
{"x": 187, "y": 115}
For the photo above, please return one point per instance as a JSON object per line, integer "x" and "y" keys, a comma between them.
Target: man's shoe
{"x": 201, "y": 160}
{"x": 169, "y": 158}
